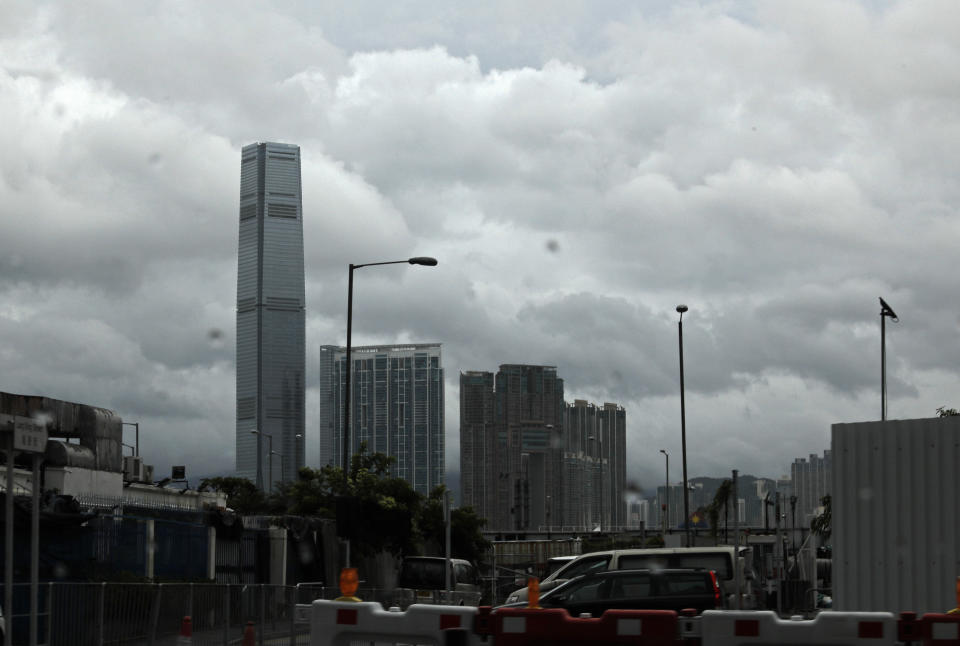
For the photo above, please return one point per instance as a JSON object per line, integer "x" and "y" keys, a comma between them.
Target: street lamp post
{"x": 269, "y": 453}
{"x": 273, "y": 453}
{"x": 419, "y": 260}
{"x": 666, "y": 496}
{"x": 885, "y": 311}
{"x": 136, "y": 426}
{"x": 683, "y": 433}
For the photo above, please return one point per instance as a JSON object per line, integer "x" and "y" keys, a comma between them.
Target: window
{"x": 633, "y": 586}
{"x": 584, "y": 566}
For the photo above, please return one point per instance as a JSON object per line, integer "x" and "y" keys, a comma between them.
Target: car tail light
{"x": 717, "y": 601}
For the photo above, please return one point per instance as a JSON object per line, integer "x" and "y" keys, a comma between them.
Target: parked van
{"x": 423, "y": 580}
{"x": 719, "y": 559}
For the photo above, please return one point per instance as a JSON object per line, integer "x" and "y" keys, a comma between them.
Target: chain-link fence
{"x": 149, "y": 614}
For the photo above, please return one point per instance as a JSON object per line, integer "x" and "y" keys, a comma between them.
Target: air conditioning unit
{"x": 133, "y": 468}
{"x": 148, "y": 473}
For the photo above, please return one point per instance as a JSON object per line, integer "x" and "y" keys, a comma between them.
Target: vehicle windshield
{"x": 422, "y": 573}
{"x": 583, "y": 566}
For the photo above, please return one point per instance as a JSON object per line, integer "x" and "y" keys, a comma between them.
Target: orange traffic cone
{"x": 185, "y": 638}
{"x": 249, "y": 635}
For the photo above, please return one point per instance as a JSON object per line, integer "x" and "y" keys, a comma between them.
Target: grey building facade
{"x": 595, "y": 467}
{"x": 529, "y": 462}
{"x": 270, "y": 315}
{"x": 397, "y": 408}
{"x": 811, "y": 481}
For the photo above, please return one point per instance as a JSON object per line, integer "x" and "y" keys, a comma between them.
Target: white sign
{"x": 28, "y": 435}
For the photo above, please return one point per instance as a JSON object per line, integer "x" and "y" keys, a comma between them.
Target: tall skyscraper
{"x": 396, "y": 404}
{"x": 270, "y": 315}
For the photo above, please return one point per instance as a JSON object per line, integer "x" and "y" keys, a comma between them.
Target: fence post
{"x": 291, "y": 599}
{"x": 48, "y": 640}
{"x": 262, "y": 616}
{"x": 226, "y": 615}
{"x": 155, "y": 614}
{"x": 103, "y": 594}
{"x": 190, "y": 604}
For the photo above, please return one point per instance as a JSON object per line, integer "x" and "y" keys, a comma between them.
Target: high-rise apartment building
{"x": 478, "y": 440}
{"x": 529, "y": 462}
{"x": 270, "y": 315}
{"x": 396, "y": 407}
{"x": 595, "y": 468}
{"x": 811, "y": 482}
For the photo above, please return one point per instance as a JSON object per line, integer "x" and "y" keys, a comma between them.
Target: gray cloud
{"x": 577, "y": 168}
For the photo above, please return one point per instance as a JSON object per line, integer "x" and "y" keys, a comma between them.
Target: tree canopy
{"x": 375, "y": 511}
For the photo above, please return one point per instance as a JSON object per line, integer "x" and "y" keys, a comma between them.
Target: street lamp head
{"x": 664, "y": 451}
{"x": 682, "y": 308}
{"x": 423, "y": 260}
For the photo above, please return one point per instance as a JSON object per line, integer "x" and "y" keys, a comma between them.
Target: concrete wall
{"x": 76, "y": 481}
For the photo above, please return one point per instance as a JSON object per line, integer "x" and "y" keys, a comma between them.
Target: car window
{"x": 584, "y": 566}
{"x": 642, "y": 562}
{"x": 553, "y": 566}
{"x": 631, "y": 587}
{"x": 684, "y": 584}
{"x": 429, "y": 574}
{"x": 465, "y": 573}
{"x": 584, "y": 592}
{"x": 719, "y": 563}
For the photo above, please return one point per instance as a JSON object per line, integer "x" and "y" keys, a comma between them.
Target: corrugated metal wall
{"x": 896, "y": 515}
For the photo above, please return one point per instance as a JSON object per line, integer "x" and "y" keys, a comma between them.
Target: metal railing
{"x": 150, "y": 614}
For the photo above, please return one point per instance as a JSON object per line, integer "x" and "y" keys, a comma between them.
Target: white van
{"x": 720, "y": 559}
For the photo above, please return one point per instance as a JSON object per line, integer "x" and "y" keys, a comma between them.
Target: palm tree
{"x": 720, "y": 499}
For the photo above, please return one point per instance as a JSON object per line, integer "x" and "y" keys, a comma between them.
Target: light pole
{"x": 885, "y": 311}
{"x": 683, "y": 433}
{"x": 269, "y": 453}
{"x": 273, "y": 453}
{"x": 419, "y": 260}
{"x": 666, "y": 496}
{"x": 136, "y": 426}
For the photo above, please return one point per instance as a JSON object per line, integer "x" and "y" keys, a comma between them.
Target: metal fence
{"x": 150, "y": 614}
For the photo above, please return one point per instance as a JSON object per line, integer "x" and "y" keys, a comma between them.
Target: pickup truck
{"x": 597, "y": 592}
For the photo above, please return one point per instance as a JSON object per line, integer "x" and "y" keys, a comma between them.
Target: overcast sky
{"x": 577, "y": 168}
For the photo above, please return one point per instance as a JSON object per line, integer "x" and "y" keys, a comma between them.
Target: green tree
{"x": 947, "y": 412}
{"x": 821, "y": 525}
{"x": 466, "y": 540}
{"x": 242, "y": 495}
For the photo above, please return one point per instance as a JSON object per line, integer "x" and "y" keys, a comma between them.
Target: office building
{"x": 396, "y": 408}
{"x": 270, "y": 315}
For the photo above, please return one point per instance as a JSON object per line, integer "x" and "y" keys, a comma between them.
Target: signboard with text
{"x": 28, "y": 435}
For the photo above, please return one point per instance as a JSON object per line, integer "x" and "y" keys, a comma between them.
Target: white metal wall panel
{"x": 896, "y": 515}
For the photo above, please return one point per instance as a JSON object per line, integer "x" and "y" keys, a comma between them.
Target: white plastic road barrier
{"x": 338, "y": 623}
{"x": 732, "y": 628}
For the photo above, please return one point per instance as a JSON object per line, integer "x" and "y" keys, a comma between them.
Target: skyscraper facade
{"x": 397, "y": 408}
{"x": 270, "y": 315}
{"x": 811, "y": 482}
{"x": 529, "y": 462}
{"x": 595, "y": 467}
